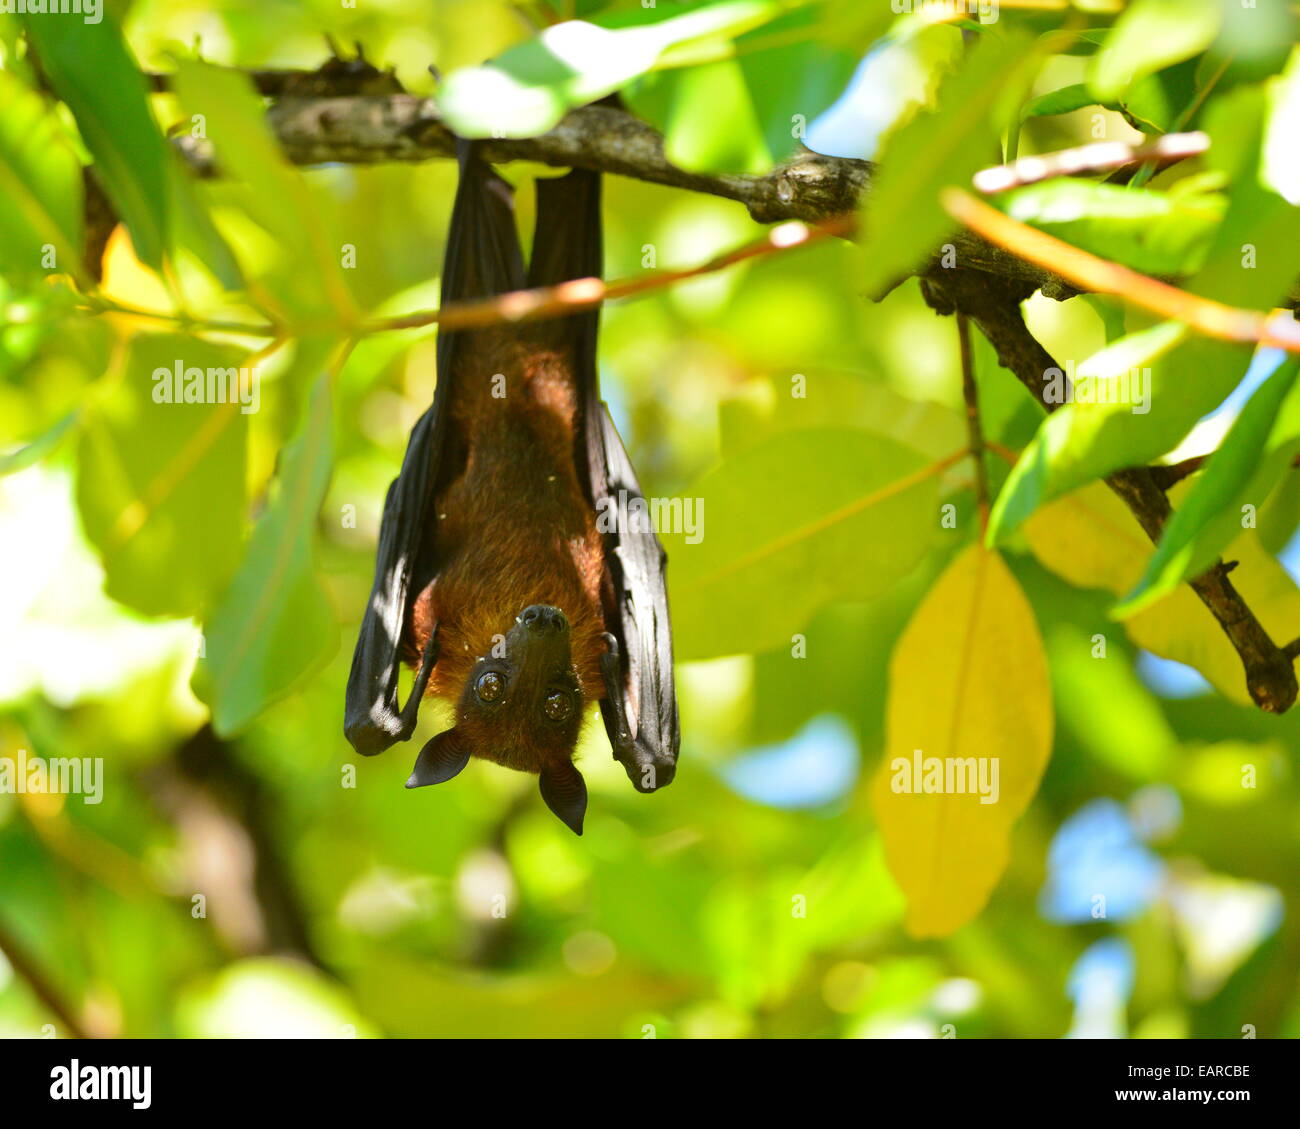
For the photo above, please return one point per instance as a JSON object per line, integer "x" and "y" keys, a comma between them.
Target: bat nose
{"x": 542, "y": 618}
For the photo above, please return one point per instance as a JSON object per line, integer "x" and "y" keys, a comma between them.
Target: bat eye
{"x": 557, "y": 706}
{"x": 489, "y": 686}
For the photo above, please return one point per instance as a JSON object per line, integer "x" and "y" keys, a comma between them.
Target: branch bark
{"x": 994, "y": 306}
{"x": 373, "y": 129}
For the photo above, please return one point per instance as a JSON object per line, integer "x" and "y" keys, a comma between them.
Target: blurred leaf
{"x": 1092, "y": 540}
{"x": 793, "y": 82}
{"x": 902, "y": 217}
{"x": 725, "y": 138}
{"x": 1257, "y": 451}
{"x": 1155, "y": 232}
{"x": 160, "y": 483}
{"x": 761, "y": 408}
{"x": 91, "y": 69}
{"x": 1149, "y": 36}
{"x": 1160, "y": 102}
{"x": 1250, "y": 263}
{"x": 1063, "y": 101}
{"x": 854, "y": 23}
{"x": 268, "y": 998}
{"x": 1100, "y": 431}
{"x": 529, "y": 88}
{"x": 275, "y": 625}
{"x": 193, "y": 229}
{"x": 40, "y": 178}
{"x": 1131, "y": 736}
{"x": 275, "y": 195}
{"x": 38, "y": 448}
{"x": 1281, "y": 156}
{"x": 968, "y": 679}
{"x": 841, "y": 515}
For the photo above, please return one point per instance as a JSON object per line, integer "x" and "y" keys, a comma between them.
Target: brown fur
{"x": 512, "y": 526}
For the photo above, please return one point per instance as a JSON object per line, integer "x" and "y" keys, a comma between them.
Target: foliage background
{"x": 338, "y": 910}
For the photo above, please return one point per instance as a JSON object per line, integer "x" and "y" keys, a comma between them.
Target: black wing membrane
{"x": 483, "y": 258}
{"x": 640, "y": 705}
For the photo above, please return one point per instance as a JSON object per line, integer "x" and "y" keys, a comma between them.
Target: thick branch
{"x": 403, "y": 127}
{"x": 994, "y": 306}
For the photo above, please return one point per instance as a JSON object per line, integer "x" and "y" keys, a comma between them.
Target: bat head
{"x": 521, "y": 707}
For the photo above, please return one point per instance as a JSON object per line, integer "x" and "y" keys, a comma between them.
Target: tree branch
{"x": 372, "y": 129}
{"x": 994, "y": 305}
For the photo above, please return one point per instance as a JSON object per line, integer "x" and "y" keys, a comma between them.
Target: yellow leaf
{"x": 969, "y": 733}
{"x": 1090, "y": 539}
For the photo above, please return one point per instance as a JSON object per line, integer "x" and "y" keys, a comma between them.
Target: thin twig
{"x": 971, "y": 396}
{"x": 1088, "y": 158}
{"x": 1228, "y": 323}
{"x": 26, "y": 967}
{"x": 582, "y": 293}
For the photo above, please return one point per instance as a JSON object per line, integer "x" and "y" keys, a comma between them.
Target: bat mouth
{"x": 538, "y": 646}
{"x": 543, "y": 619}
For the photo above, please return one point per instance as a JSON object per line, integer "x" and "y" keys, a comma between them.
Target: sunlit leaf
{"x": 40, "y": 180}
{"x": 38, "y": 448}
{"x": 91, "y": 69}
{"x": 841, "y": 515}
{"x": 1256, "y": 452}
{"x": 1134, "y": 401}
{"x": 1250, "y": 263}
{"x": 1155, "y": 232}
{"x": 1149, "y": 36}
{"x": 275, "y": 625}
{"x": 902, "y": 217}
{"x": 1091, "y": 540}
{"x": 529, "y": 88}
{"x": 968, "y": 688}
{"x": 161, "y": 480}
{"x": 274, "y": 194}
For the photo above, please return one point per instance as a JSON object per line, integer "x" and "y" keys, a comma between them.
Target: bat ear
{"x": 565, "y": 793}
{"x": 441, "y": 759}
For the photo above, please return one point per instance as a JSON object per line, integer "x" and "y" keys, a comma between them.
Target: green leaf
{"x": 275, "y": 625}
{"x": 1159, "y": 102}
{"x": 91, "y": 69}
{"x": 1149, "y": 36}
{"x": 529, "y": 88}
{"x": 841, "y": 515}
{"x": 794, "y": 82}
{"x": 727, "y": 138}
{"x": 1063, "y": 101}
{"x": 763, "y": 407}
{"x": 1155, "y": 232}
{"x": 274, "y": 194}
{"x": 193, "y": 229}
{"x": 902, "y": 216}
{"x": 1169, "y": 376}
{"x": 1251, "y": 262}
{"x": 1281, "y": 155}
{"x": 161, "y": 483}
{"x": 1256, "y": 452}
{"x": 38, "y": 448}
{"x": 40, "y": 180}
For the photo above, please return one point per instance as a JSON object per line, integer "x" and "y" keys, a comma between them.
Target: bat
{"x": 503, "y": 577}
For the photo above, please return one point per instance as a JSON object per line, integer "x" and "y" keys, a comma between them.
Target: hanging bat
{"x": 499, "y": 578}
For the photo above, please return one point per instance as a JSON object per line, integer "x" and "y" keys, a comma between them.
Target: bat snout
{"x": 542, "y": 619}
